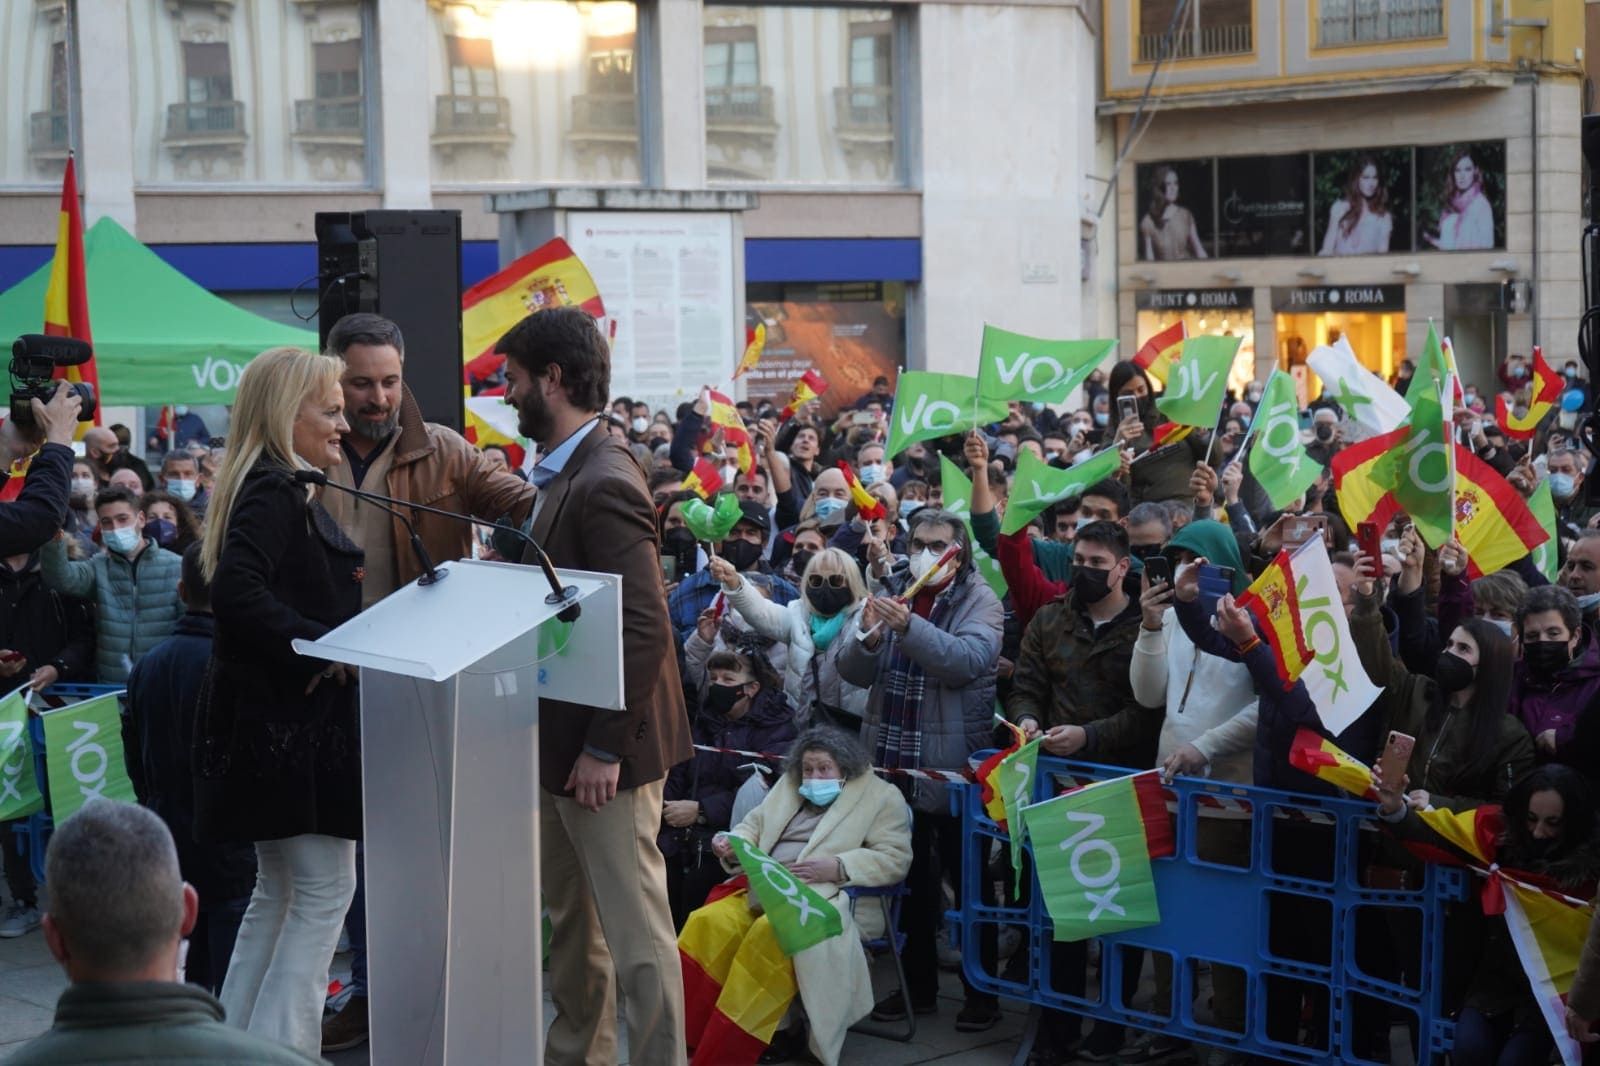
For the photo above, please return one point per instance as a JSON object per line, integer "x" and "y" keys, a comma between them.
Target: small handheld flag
{"x": 705, "y": 480}
{"x": 868, "y": 506}
{"x": 755, "y": 342}
{"x": 1157, "y": 355}
{"x": 1547, "y": 387}
{"x": 810, "y": 386}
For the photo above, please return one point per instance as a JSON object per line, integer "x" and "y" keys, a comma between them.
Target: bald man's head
{"x": 100, "y": 443}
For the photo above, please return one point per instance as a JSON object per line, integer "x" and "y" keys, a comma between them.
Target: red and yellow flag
{"x": 1320, "y": 757}
{"x": 1547, "y": 388}
{"x": 551, "y": 275}
{"x": 1276, "y": 607}
{"x": 1493, "y": 521}
{"x": 705, "y": 480}
{"x": 725, "y": 419}
{"x": 1169, "y": 433}
{"x": 755, "y": 342}
{"x": 868, "y": 506}
{"x": 994, "y": 803}
{"x": 737, "y": 982}
{"x": 1158, "y": 354}
{"x": 66, "y": 299}
{"x": 1548, "y": 934}
{"x": 808, "y": 388}
{"x": 1362, "y": 496}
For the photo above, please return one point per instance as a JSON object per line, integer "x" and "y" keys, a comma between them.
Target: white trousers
{"x": 278, "y": 977}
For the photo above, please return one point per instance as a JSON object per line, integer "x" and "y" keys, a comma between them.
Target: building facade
{"x": 1311, "y": 169}
{"x": 920, "y": 168}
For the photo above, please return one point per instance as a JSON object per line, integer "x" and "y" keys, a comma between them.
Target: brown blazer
{"x": 597, "y": 515}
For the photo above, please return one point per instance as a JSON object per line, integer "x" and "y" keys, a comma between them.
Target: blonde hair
{"x": 835, "y": 561}
{"x": 271, "y": 390}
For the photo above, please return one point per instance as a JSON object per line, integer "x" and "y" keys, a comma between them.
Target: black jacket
{"x": 270, "y": 761}
{"x": 41, "y": 508}
{"x": 157, "y": 734}
{"x": 49, "y": 629}
{"x": 710, "y": 778}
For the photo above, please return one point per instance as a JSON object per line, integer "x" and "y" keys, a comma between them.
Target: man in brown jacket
{"x": 602, "y": 772}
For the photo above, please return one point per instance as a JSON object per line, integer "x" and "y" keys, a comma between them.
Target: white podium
{"x": 451, "y": 677}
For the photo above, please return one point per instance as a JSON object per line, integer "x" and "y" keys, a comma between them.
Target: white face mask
{"x": 83, "y": 486}
{"x": 640, "y": 425}
{"x": 1586, "y": 602}
{"x": 923, "y": 562}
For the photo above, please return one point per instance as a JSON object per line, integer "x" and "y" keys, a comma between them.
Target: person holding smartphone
{"x": 1159, "y": 474}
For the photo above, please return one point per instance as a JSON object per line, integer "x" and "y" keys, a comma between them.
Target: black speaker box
{"x": 406, "y": 266}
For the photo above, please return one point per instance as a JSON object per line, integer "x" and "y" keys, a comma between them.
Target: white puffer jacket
{"x": 807, "y": 676}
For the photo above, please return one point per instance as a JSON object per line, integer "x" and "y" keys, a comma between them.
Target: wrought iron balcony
{"x": 739, "y": 107}
{"x": 1342, "y": 22}
{"x": 330, "y": 116}
{"x": 864, "y": 109}
{"x": 472, "y": 116}
{"x": 221, "y": 120}
{"x": 1229, "y": 40}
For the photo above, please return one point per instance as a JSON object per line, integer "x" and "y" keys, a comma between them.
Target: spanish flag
{"x": 66, "y": 299}
{"x": 808, "y": 388}
{"x": 1276, "y": 608}
{"x": 994, "y": 804}
{"x": 737, "y": 982}
{"x": 755, "y": 342}
{"x": 480, "y": 431}
{"x": 705, "y": 481}
{"x": 1362, "y": 496}
{"x": 549, "y": 276}
{"x": 1547, "y": 387}
{"x": 868, "y": 506}
{"x": 725, "y": 419}
{"x": 1320, "y": 757}
{"x": 1158, "y": 354}
{"x": 1493, "y": 521}
{"x": 1169, "y": 433}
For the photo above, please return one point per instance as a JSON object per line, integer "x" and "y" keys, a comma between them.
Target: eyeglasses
{"x": 936, "y": 546}
{"x": 833, "y": 581}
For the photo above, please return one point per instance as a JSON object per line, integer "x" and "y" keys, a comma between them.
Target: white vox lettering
{"x": 1317, "y": 617}
{"x": 1189, "y": 384}
{"x": 1038, "y": 372}
{"x": 1083, "y": 845}
{"x": 15, "y": 760}
{"x": 89, "y": 759}
{"x": 218, "y": 374}
{"x": 1422, "y": 448}
{"x": 1281, "y": 437}
{"x": 933, "y": 416}
{"x": 782, "y": 880}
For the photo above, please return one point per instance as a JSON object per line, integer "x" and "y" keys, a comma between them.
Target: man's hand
{"x": 1030, "y": 728}
{"x": 1234, "y": 622}
{"x": 1522, "y": 477}
{"x": 1187, "y": 761}
{"x": 1064, "y": 739}
{"x": 1232, "y": 478}
{"x": 1411, "y": 559}
{"x": 1365, "y": 574}
{"x": 1452, "y": 557}
{"x": 680, "y": 813}
{"x": 724, "y": 571}
{"x": 895, "y": 615}
{"x": 43, "y": 678}
{"x": 1153, "y": 602}
{"x": 1203, "y": 485}
{"x": 976, "y": 450}
{"x": 1580, "y": 1029}
{"x": 815, "y": 871}
{"x": 58, "y": 418}
{"x": 1419, "y": 799}
{"x": 1187, "y": 580}
{"x": 11, "y": 667}
{"x": 593, "y": 782}
{"x": 336, "y": 673}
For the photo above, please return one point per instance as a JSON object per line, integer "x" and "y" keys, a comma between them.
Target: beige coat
{"x": 868, "y": 828}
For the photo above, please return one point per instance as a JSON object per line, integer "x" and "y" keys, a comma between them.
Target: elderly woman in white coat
{"x": 815, "y": 629}
{"x": 832, "y": 823}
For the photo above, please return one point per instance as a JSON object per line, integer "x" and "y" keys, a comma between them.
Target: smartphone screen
{"x": 1127, "y": 407}
{"x": 669, "y": 569}
{"x": 1158, "y": 570}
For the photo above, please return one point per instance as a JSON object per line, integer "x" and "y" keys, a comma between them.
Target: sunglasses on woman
{"x": 816, "y": 581}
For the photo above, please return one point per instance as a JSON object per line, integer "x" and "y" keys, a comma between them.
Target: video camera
{"x": 34, "y": 361}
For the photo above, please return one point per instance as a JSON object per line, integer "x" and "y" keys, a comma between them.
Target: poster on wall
{"x": 669, "y": 288}
{"x": 1461, "y": 196}
{"x": 1363, "y": 201}
{"x": 1263, "y": 205}
{"x": 1176, "y": 210}
{"x": 848, "y": 341}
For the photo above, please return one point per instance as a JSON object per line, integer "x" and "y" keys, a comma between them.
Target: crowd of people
{"x": 836, "y": 642}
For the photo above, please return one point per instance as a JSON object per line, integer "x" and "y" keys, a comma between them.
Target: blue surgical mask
{"x": 827, "y": 507}
{"x": 908, "y": 506}
{"x": 182, "y": 488}
{"x": 1102, "y": 417}
{"x": 1502, "y": 624}
{"x": 122, "y": 541}
{"x": 1587, "y": 602}
{"x": 821, "y": 790}
{"x": 1561, "y": 485}
{"x": 872, "y": 473}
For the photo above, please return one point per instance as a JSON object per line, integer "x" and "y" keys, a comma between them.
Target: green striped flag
{"x": 1012, "y": 366}
{"x": 1037, "y": 484}
{"x": 19, "y": 787}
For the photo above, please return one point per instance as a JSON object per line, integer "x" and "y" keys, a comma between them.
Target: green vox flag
{"x": 1014, "y": 781}
{"x": 1278, "y": 461}
{"x": 928, "y": 405}
{"x": 1543, "y": 506}
{"x": 19, "y": 788}
{"x": 1038, "y": 484}
{"x": 957, "y": 497}
{"x": 1012, "y": 366}
{"x": 83, "y": 755}
{"x": 1199, "y": 381}
{"x": 799, "y": 915}
{"x": 1420, "y": 471}
{"x": 1092, "y": 859}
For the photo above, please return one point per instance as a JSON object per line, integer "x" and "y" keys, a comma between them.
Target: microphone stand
{"x": 559, "y": 594}
{"x": 431, "y": 574}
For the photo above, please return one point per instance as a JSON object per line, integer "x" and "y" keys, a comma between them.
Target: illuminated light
{"x": 538, "y": 35}
{"x": 611, "y": 18}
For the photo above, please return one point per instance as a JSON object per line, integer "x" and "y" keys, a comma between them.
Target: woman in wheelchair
{"x": 833, "y": 823}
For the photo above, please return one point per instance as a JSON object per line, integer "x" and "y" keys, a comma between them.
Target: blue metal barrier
{"x": 1214, "y": 912}
{"x": 36, "y": 828}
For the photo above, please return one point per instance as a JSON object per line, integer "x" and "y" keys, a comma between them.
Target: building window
{"x": 207, "y": 91}
{"x": 49, "y": 132}
{"x": 1208, "y": 28}
{"x": 733, "y": 75}
{"x": 1342, "y": 22}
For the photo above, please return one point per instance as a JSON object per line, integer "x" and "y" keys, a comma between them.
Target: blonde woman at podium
{"x": 602, "y": 772}
{"x": 277, "y": 750}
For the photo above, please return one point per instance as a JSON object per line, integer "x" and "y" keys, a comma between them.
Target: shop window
{"x": 1208, "y": 28}
{"x": 851, "y": 332}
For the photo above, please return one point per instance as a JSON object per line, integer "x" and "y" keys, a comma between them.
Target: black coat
{"x": 47, "y": 627}
{"x": 41, "y": 507}
{"x": 157, "y": 735}
{"x": 270, "y": 761}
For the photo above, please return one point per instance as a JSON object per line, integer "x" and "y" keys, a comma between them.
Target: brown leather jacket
{"x": 436, "y": 466}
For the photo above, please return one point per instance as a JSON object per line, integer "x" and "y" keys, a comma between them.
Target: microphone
{"x": 559, "y": 594}
{"x": 430, "y": 573}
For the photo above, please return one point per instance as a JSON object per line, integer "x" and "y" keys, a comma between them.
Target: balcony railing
{"x": 48, "y": 132}
{"x": 1343, "y": 22}
{"x": 218, "y": 119}
{"x": 1232, "y": 40}
{"x": 337, "y": 115}
{"x": 605, "y": 115}
{"x": 864, "y": 108}
{"x": 472, "y": 114}
{"x": 739, "y": 105}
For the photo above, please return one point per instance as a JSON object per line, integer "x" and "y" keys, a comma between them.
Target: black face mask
{"x": 1546, "y": 658}
{"x": 719, "y": 699}
{"x": 1453, "y": 672}
{"x": 1324, "y": 432}
{"x": 741, "y": 553}
{"x": 828, "y": 601}
{"x": 801, "y": 560}
{"x": 1092, "y": 585}
{"x": 680, "y": 544}
{"x": 1142, "y": 552}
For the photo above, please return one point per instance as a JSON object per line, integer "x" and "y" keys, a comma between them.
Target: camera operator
{"x": 41, "y": 508}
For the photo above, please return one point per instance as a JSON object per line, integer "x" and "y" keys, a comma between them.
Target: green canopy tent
{"x": 158, "y": 337}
